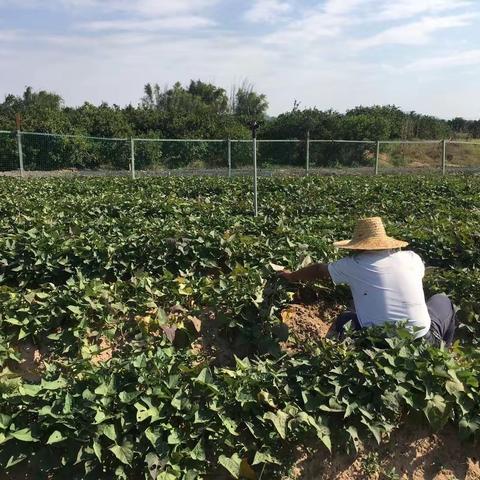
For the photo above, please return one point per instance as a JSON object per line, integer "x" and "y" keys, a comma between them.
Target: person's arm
{"x": 311, "y": 273}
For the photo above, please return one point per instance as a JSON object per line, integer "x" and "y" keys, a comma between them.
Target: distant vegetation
{"x": 203, "y": 110}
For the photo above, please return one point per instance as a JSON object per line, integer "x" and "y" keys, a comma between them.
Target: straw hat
{"x": 369, "y": 234}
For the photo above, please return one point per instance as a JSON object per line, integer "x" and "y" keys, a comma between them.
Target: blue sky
{"x": 421, "y": 55}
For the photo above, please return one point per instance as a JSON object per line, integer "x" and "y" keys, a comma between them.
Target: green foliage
{"x": 133, "y": 270}
{"x": 203, "y": 110}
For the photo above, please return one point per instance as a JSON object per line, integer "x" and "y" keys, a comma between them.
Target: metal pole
{"x": 377, "y": 158}
{"x": 132, "y": 158}
{"x": 229, "y": 156}
{"x": 307, "y": 155}
{"x": 444, "y": 157}
{"x": 20, "y": 151}
{"x": 255, "y": 179}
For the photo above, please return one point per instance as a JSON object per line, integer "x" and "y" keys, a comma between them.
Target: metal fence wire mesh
{"x": 165, "y": 156}
{"x": 342, "y": 155}
{"x": 463, "y": 157}
{"x": 8, "y": 152}
{"x": 44, "y": 153}
{"x": 420, "y": 157}
{"x": 276, "y": 156}
{"x": 241, "y": 157}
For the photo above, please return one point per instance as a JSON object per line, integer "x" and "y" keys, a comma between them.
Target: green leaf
{"x": 265, "y": 457}
{"x": 166, "y": 476}
{"x": 174, "y": 438}
{"x": 376, "y": 431}
{"x": 67, "y": 407}
{"x": 97, "y": 448}
{"x": 13, "y": 321}
{"x": 454, "y": 387}
{"x": 124, "y": 452}
{"x": 161, "y": 317}
{"x": 22, "y": 334}
{"x": 55, "y": 437}
{"x": 152, "y": 436}
{"x": 24, "y": 435}
{"x": 14, "y": 460}
{"x": 5, "y": 420}
{"x": 106, "y": 390}
{"x": 205, "y": 377}
{"x": 128, "y": 397}
{"x": 198, "y": 452}
{"x": 279, "y": 420}
{"x": 99, "y": 417}
{"x": 354, "y": 436}
{"x": 109, "y": 431}
{"x": 74, "y": 309}
{"x": 144, "y": 412}
{"x": 232, "y": 464}
{"x": 230, "y": 424}
{"x": 29, "y": 390}
{"x": 59, "y": 383}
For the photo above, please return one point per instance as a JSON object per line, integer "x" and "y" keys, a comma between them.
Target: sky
{"x": 421, "y": 55}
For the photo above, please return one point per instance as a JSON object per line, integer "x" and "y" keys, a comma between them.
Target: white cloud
{"x": 401, "y": 9}
{"x": 318, "y": 23}
{"x": 159, "y": 7}
{"x": 9, "y": 35}
{"x": 415, "y": 33}
{"x": 138, "y": 7}
{"x": 306, "y": 52}
{"x": 342, "y": 7}
{"x": 458, "y": 59}
{"x": 166, "y": 23}
{"x": 267, "y": 11}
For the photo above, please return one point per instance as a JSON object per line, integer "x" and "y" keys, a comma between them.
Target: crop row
{"x": 114, "y": 284}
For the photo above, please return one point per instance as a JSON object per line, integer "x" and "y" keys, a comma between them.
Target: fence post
{"x": 255, "y": 179}
{"x": 444, "y": 157}
{"x": 377, "y": 158}
{"x": 307, "y": 155}
{"x": 132, "y": 157}
{"x": 229, "y": 157}
{"x": 20, "y": 151}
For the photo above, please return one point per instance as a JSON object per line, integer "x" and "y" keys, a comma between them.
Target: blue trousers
{"x": 442, "y": 315}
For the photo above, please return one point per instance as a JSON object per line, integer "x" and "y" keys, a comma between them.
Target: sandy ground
{"x": 413, "y": 453}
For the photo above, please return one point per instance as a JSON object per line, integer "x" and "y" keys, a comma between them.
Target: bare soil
{"x": 212, "y": 344}
{"x": 31, "y": 365}
{"x": 413, "y": 453}
{"x": 105, "y": 351}
{"x": 308, "y": 323}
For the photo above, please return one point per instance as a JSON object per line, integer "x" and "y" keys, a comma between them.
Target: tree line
{"x": 202, "y": 110}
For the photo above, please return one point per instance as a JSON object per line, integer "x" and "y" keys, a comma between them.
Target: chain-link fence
{"x": 36, "y": 154}
{"x": 462, "y": 157}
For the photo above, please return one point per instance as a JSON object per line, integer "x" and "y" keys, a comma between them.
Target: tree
{"x": 41, "y": 111}
{"x": 211, "y": 95}
{"x": 248, "y": 104}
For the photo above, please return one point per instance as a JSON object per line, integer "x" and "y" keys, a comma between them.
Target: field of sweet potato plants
{"x": 144, "y": 333}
